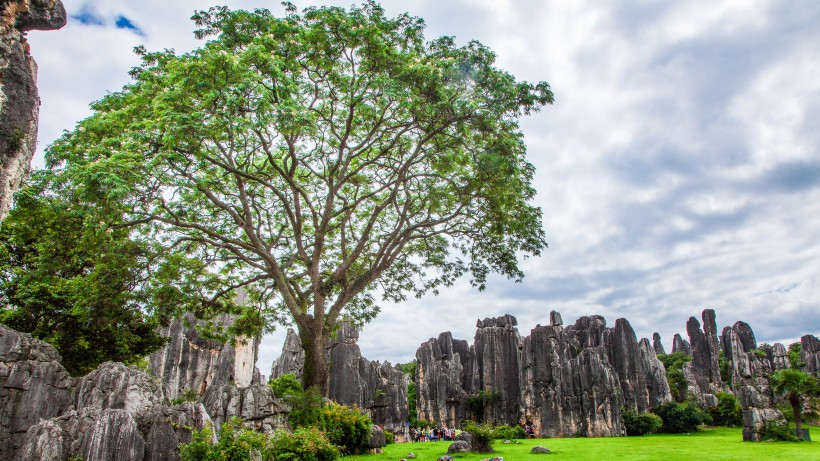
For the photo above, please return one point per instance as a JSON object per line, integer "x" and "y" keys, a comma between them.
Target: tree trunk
{"x": 797, "y": 408}
{"x": 315, "y": 372}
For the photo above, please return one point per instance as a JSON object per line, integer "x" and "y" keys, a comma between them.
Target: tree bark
{"x": 797, "y": 409}
{"x": 316, "y": 369}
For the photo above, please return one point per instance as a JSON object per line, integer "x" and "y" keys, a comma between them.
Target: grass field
{"x": 708, "y": 444}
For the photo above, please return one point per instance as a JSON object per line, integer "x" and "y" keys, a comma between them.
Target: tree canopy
{"x": 74, "y": 280}
{"x": 321, "y": 160}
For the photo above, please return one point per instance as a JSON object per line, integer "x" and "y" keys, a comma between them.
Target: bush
{"x": 304, "y": 444}
{"x": 345, "y": 427}
{"x": 727, "y": 412}
{"x": 642, "y": 424}
{"x": 778, "y": 431}
{"x": 681, "y": 417}
{"x": 483, "y": 436}
{"x": 389, "y": 437}
{"x": 509, "y": 432}
{"x": 189, "y": 395}
{"x": 285, "y": 385}
{"x": 305, "y": 407}
{"x": 236, "y": 444}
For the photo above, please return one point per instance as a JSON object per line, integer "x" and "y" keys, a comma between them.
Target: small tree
{"x": 794, "y": 385}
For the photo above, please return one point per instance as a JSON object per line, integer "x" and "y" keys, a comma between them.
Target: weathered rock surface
{"x": 567, "y": 381}
{"x": 443, "y": 366}
{"x": 113, "y": 413}
{"x": 703, "y": 372}
{"x": 256, "y": 405}
{"x": 379, "y": 388}
{"x": 681, "y": 345}
{"x": 657, "y": 345}
{"x": 190, "y": 362}
{"x": 810, "y": 353}
{"x": 19, "y": 98}
{"x": 33, "y": 386}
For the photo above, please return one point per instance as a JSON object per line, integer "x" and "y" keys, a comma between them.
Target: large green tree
{"x": 320, "y": 160}
{"x": 795, "y": 385}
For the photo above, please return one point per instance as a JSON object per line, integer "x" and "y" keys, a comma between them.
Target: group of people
{"x": 433, "y": 434}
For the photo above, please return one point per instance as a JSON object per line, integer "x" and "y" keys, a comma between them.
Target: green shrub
{"x": 285, "y": 385}
{"x": 234, "y": 444}
{"x": 237, "y": 444}
{"x": 673, "y": 363}
{"x": 681, "y": 417}
{"x": 642, "y": 424}
{"x": 188, "y": 396}
{"x": 727, "y": 412}
{"x": 509, "y": 432}
{"x": 304, "y": 444}
{"x": 778, "y": 431}
{"x": 345, "y": 426}
{"x": 305, "y": 407}
{"x": 389, "y": 437}
{"x": 483, "y": 436}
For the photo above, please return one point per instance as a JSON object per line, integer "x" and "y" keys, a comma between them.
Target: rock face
{"x": 19, "y": 99}
{"x": 256, "y": 405}
{"x": 749, "y": 378}
{"x": 190, "y": 362}
{"x": 567, "y": 381}
{"x": 657, "y": 345}
{"x": 703, "y": 372}
{"x": 113, "y": 413}
{"x": 810, "y": 353}
{"x": 680, "y": 345}
{"x": 33, "y": 386}
{"x": 379, "y": 388}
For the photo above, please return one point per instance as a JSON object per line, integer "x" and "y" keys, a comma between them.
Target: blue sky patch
{"x": 125, "y": 23}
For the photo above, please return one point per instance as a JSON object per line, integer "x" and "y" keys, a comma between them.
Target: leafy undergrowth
{"x": 711, "y": 444}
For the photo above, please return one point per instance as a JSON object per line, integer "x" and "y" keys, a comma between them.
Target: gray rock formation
{"x": 810, "y": 353}
{"x": 256, "y": 405}
{"x": 33, "y": 386}
{"x": 681, "y": 345}
{"x": 442, "y": 367}
{"x": 114, "y": 412}
{"x": 19, "y": 99}
{"x": 567, "y": 381}
{"x": 496, "y": 368}
{"x": 657, "y": 345}
{"x": 749, "y": 379}
{"x": 703, "y": 372}
{"x": 379, "y": 388}
{"x": 190, "y": 362}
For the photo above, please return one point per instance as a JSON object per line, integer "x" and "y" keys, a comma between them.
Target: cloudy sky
{"x": 678, "y": 170}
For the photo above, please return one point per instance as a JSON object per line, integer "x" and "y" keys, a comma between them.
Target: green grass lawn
{"x": 708, "y": 444}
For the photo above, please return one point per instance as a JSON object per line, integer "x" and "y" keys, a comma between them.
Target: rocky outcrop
{"x": 191, "y": 362}
{"x": 681, "y": 345}
{"x": 33, "y": 386}
{"x": 442, "y": 367}
{"x": 749, "y": 378}
{"x": 566, "y": 381}
{"x": 703, "y": 372}
{"x": 570, "y": 389}
{"x": 379, "y": 388}
{"x": 256, "y": 405}
{"x": 19, "y": 99}
{"x": 496, "y": 369}
{"x": 657, "y": 345}
{"x": 114, "y": 412}
{"x": 810, "y": 354}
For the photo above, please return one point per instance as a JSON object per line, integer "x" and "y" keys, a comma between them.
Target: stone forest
{"x": 568, "y": 381}
{"x": 244, "y": 229}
